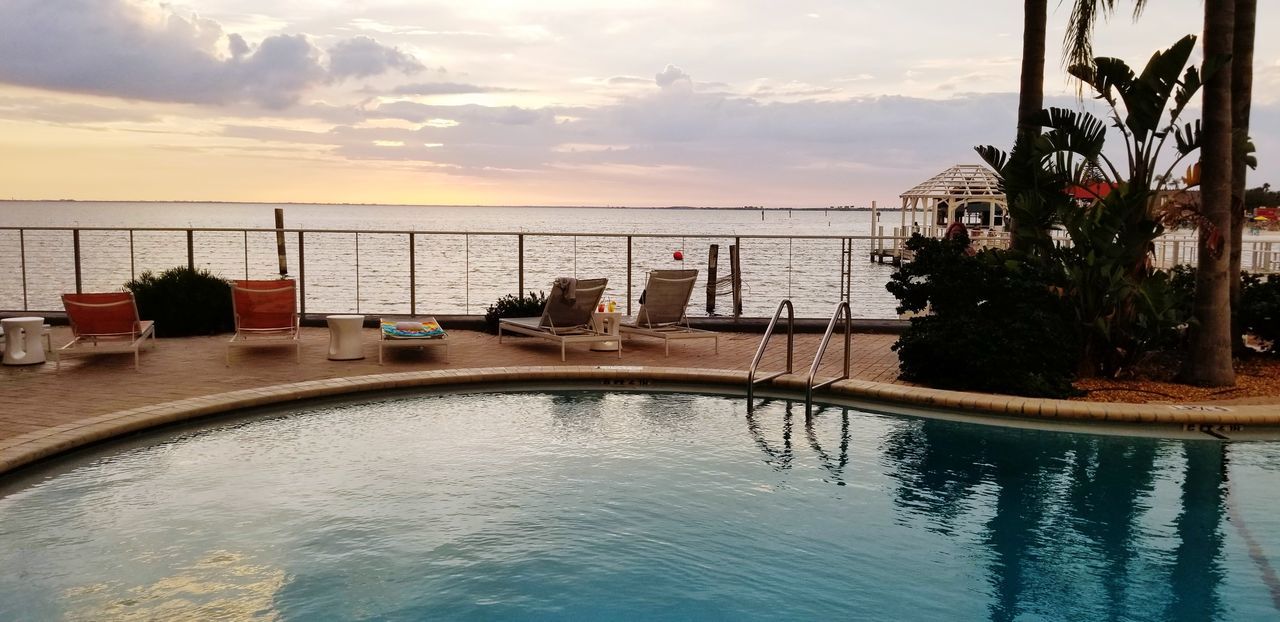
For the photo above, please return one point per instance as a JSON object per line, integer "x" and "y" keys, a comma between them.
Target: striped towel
{"x": 412, "y": 330}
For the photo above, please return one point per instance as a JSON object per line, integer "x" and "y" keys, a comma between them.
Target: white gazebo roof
{"x": 968, "y": 181}
{"x": 954, "y": 188}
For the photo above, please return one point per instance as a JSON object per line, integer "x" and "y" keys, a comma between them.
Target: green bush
{"x": 184, "y": 302}
{"x": 1260, "y": 308}
{"x": 1259, "y": 303}
{"x": 513, "y": 305}
{"x": 994, "y": 324}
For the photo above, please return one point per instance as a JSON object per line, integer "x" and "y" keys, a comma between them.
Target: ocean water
{"x": 587, "y": 506}
{"x": 369, "y": 273}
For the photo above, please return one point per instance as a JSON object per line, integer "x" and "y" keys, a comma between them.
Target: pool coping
{"x": 31, "y": 447}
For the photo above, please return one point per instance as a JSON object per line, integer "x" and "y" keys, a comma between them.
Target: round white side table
{"x": 344, "y": 337}
{"x": 606, "y": 323}
{"x": 23, "y": 340}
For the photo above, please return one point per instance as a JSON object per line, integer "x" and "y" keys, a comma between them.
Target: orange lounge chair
{"x": 266, "y": 314}
{"x": 105, "y": 323}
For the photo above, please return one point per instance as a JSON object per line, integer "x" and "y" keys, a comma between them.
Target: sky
{"x": 547, "y": 102}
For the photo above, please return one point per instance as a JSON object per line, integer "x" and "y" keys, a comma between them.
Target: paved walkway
{"x": 38, "y": 397}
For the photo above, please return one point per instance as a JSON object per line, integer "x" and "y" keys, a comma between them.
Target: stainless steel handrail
{"x": 842, "y": 308}
{"x": 764, "y": 342}
{"x": 550, "y": 234}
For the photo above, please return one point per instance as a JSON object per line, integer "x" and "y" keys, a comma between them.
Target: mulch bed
{"x": 1154, "y": 382}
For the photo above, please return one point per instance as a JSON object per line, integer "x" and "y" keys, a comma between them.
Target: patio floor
{"x": 38, "y": 397}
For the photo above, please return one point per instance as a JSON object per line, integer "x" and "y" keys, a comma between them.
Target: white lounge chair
{"x": 564, "y": 320}
{"x": 105, "y": 323}
{"x": 662, "y": 314}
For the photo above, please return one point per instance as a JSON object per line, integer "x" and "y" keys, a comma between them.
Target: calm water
{"x": 642, "y": 506}
{"x": 454, "y": 273}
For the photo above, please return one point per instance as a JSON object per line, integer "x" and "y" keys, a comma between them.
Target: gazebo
{"x": 970, "y": 186}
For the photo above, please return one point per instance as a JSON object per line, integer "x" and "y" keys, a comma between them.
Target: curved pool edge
{"x": 1216, "y": 421}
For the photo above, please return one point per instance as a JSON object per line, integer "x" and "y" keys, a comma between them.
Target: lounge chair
{"x": 662, "y": 314}
{"x": 411, "y": 334}
{"x": 266, "y": 314}
{"x": 105, "y": 323}
{"x": 564, "y": 320}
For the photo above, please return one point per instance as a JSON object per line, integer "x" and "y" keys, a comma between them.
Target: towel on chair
{"x": 568, "y": 288}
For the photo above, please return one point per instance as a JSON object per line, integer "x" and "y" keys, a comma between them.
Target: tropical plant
{"x": 992, "y": 323}
{"x": 183, "y": 302}
{"x": 514, "y": 305}
{"x": 1119, "y": 302}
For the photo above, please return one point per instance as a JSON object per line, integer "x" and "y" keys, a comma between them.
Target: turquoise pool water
{"x": 641, "y": 506}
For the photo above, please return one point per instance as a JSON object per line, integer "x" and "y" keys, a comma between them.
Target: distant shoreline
{"x": 834, "y": 208}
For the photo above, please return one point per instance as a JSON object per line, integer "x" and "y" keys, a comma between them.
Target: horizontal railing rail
{"x": 451, "y": 272}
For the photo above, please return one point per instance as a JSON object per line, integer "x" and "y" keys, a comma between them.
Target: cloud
{"x": 126, "y": 49}
{"x": 446, "y": 88}
{"x": 361, "y": 57}
{"x": 622, "y": 80}
{"x": 673, "y": 77}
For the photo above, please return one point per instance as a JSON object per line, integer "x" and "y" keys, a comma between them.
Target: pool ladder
{"x": 842, "y": 310}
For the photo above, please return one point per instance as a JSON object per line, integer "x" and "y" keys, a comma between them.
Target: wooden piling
{"x": 284, "y": 268}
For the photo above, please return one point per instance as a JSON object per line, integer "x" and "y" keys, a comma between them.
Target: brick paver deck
{"x": 38, "y": 397}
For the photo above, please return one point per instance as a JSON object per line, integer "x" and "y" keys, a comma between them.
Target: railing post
{"x": 132, "y": 266}
{"x": 466, "y": 268}
{"x": 191, "y": 250}
{"x": 628, "y": 275}
{"x": 22, "y": 259}
{"x": 246, "y": 254}
{"x": 302, "y": 276}
{"x": 735, "y": 268}
{"x": 413, "y": 278}
{"x": 357, "y": 272}
{"x": 75, "y": 247}
{"x": 520, "y": 266}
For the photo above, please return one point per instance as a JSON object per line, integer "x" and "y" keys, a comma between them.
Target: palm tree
{"x": 1241, "y": 98}
{"x": 1209, "y": 356}
{"x": 1035, "y": 17}
{"x": 1077, "y": 42}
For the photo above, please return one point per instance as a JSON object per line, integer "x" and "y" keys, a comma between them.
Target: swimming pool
{"x": 584, "y": 505}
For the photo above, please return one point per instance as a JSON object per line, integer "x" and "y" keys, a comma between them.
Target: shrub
{"x": 1259, "y": 303}
{"x": 184, "y": 302}
{"x": 514, "y": 305}
{"x": 1260, "y": 309}
{"x": 995, "y": 324}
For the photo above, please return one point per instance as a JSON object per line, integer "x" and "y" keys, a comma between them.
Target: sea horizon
{"x": 848, "y": 208}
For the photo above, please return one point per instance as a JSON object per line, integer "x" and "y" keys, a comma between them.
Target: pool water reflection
{"x": 610, "y": 505}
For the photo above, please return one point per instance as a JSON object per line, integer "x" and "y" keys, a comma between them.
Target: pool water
{"x": 641, "y": 506}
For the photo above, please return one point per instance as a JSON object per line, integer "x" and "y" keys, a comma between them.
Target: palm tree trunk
{"x": 1209, "y": 357}
{"x": 1035, "y": 16}
{"x": 1241, "y": 99}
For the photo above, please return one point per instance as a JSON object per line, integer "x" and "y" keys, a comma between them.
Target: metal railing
{"x": 1171, "y": 249}
{"x": 346, "y": 270}
{"x": 810, "y": 387}
{"x": 764, "y": 342}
